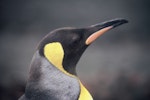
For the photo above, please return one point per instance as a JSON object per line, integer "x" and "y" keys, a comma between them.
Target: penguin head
{"x": 63, "y": 47}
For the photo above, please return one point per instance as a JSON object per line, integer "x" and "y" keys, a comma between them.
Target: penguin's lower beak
{"x": 99, "y": 29}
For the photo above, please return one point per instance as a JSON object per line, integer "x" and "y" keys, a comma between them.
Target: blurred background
{"x": 114, "y": 67}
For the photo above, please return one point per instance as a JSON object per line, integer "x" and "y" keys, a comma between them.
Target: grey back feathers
{"x": 46, "y": 82}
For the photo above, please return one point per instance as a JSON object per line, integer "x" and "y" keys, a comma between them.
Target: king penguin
{"x": 52, "y": 73}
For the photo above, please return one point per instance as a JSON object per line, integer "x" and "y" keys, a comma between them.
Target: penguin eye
{"x": 75, "y": 39}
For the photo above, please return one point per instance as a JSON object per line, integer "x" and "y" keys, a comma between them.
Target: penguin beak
{"x": 99, "y": 29}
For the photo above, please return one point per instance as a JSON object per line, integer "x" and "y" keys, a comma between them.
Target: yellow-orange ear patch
{"x": 54, "y": 53}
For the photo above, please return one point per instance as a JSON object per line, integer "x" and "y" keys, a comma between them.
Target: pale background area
{"x": 114, "y": 67}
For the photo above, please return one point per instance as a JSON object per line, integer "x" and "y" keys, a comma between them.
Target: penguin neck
{"x": 84, "y": 93}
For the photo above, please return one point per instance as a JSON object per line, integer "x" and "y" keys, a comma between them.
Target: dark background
{"x": 115, "y": 67}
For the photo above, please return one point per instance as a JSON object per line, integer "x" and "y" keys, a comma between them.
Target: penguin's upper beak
{"x": 97, "y": 30}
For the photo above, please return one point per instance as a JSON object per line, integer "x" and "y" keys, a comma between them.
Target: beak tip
{"x": 119, "y": 21}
